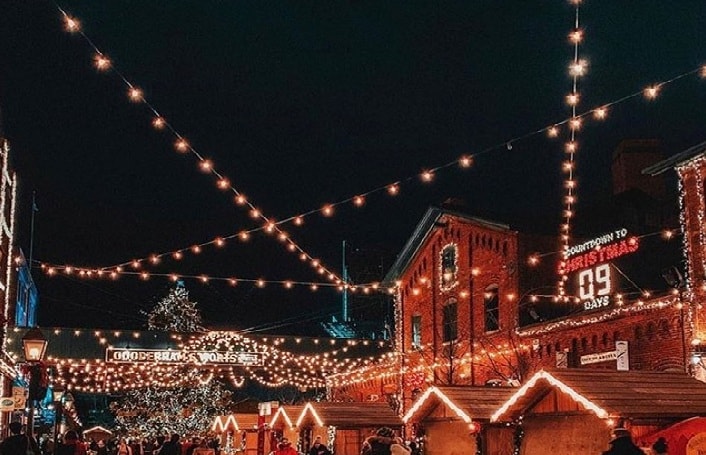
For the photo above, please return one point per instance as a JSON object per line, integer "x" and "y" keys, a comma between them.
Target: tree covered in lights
{"x": 175, "y": 312}
{"x": 183, "y": 410}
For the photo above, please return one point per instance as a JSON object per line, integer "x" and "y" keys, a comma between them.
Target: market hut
{"x": 454, "y": 420}
{"x": 343, "y": 426}
{"x": 283, "y": 425}
{"x": 242, "y": 429}
{"x": 573, "y": 411}
{"x": 97, "y": 433}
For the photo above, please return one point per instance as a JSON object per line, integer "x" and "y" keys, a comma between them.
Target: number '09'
{"x": 594, "y": 282}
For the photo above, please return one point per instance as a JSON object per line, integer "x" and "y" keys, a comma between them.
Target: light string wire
{"x": 576, "y": 70}
{"x": 136, "y": 95}
{"x": 102, "y": 63}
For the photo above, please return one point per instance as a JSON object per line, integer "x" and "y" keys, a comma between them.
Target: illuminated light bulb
{"x": 565, "y": 227}
{"x": 416, "y": 291}
{"x": 463, "y": 294}
{"x": 219, "y": 242}
{"x": 303, "y": 257}
{"x": 632, "y": 241}
{"x": 358, "y": 201}
{"x": 282, "y": 236}
{"x": 288, "y": 284}
{"x": 327, "y": 210}
{"x": 71, "y": 24}
{"x": 475, "y": 271}
{"x": 553, "y": 131}
{"x": 570, "y": 147}
{"x": 667, "y": 234}
{"x": 568, "y": 213}
{"x": 570, "y": 199}
{"x": 154, "y": 259}
{"x": 203, "y": 278}
{"x": 135, "y": 94}
{"x": 572, "y": 99}
{"x": 291, "y": 247}
{"x": 393, "y": 190}
{"x": 181, "y": 145}
{"x": 205, "y": 165}
{"x": 260, "y": 283}
{"x": 298, "y": 221}
{"x": 255, "y": 213}
{"x": 174, "y": 277}
{"x": 427, "y": 176}
{"x": 533, "y": 260}
{"x": 244, "y": 235}
{"x": 651, "y": 92}
{"x": 113, "y": 275}
{"x": 315, "y": 263}
{"x": 321, "y": 270}
{"x": 145, "y": 276}
{"x": 600, "y": 113}
{"x": 647, "y": 294}
{"x": 679, "y": 305}
{"x": 578, "y": 68}
{"x": 570, "y": 184}
{"x": 196, "y": 249}
{"x": 177, "y": 255}
{"x": 567, "y": 166}
{"x": 101, "y": 62}
{"x": 270, "y": 227}
{"x": 576, "y": 36}
{"x": 119, "y": 269}
{"x": 564, "y": 237}
{"x": 240, "y": 199}
{"x": 135, "y": 264}
{"x": 575, "y": 123}
{"x": 223, "y": 183}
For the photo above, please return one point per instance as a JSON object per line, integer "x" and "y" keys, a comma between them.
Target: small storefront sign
{"x": 126, "y": 355}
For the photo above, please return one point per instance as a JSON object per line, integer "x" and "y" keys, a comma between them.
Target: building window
{"x": 450, "y": 321}
{"x": 416, "y": 331}
{"x": 448, "y": 266}
{"x": 492, "y": 310}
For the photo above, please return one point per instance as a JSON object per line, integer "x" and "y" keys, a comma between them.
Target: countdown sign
{"x": 166, "y": 356}
{"x": 589, "y": 267}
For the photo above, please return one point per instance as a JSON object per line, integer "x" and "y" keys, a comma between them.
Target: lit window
{"x": 416, "y": 331}
{"x": 449, "y": 267}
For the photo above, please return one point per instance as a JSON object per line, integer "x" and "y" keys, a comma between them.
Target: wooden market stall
{"x": 454, "y": 420}
{"x": 282, "y": 424}
{"x": 344, "y": 426}
{"x": 241, "y": 427}
{"x": 573, "y": 411}
{"x": 97, "y": 433}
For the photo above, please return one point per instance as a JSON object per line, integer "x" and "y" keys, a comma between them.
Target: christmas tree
{"x": 175, "y": 312}
{"x": 183, "y": 410}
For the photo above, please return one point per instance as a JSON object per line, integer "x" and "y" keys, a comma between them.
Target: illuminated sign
{"x": 125, "y": 355}
{"x": 589, "y": 267}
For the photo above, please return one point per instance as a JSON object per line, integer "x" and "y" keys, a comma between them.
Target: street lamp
{"x": 57, "y": 398}
{"x": 35, "y": 346}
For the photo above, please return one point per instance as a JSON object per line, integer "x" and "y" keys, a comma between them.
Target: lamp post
{"x": 57, "y": 398}
{"x": 35, "y": 346}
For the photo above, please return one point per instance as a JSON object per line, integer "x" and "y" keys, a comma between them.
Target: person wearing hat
{"x": 318, "y": 448}
{"x": 285, "y": 448}
{"x": 379, "y": 443}
{"x": 622, "y": 444}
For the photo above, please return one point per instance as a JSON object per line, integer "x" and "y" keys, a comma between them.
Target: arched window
{"x": 492, "y": 308}
{"x": 449, "y": 266}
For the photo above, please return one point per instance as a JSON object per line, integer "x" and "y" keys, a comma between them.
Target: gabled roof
{"x": 97, "y": 428}
{"x": 234, "y": 422}
{"x": 468, "y": 403}
{"x": 286, "y": 416}
{"x": 627, "y": 394}
{"x": 420, "y": 234}
{"x": 348, "y": 415}
{"x": 675, "y": 160}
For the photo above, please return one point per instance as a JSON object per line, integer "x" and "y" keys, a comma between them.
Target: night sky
{"x": 301, "y": 103}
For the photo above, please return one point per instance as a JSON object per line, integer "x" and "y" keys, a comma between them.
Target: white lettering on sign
{"x": 125, "y": 355}
{"x": 600, "y": 357}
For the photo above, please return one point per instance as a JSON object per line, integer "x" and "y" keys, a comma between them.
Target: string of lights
{"x": 271, "y": 226}
{"x": 136, "y": 95}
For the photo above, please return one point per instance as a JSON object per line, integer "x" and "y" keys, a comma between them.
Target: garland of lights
{"x": 331, "y": 438}
{"x": 517, "y": 436}
{"x": 447, "y": 285}
{"x": 102, "y": 63}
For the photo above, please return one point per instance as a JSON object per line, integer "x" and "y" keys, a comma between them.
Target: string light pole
{"x": 34, "y": 344}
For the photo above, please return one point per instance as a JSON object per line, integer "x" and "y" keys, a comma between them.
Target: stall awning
{"x": 348, "y": 415}
{"x": 285, "y": 416}
{"x": 627, "y": 394}
{"x": 468, "y": 403}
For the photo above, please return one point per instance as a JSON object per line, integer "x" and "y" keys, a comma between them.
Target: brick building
{"x": 469, "y": 309}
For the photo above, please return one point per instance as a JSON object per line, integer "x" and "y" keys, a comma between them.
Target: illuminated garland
{"x": 135, "y": 94}
{"x": 453, "y": 282}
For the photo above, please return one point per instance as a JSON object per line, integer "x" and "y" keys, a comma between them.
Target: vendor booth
{"x": 454, "y": 420}
{"x": 97, "y": 433}
{"x": 574, "y": 411}
{"x": 343, "y": 426}
{"x": 283, "y": 425}
{"x": 239, "y": 431}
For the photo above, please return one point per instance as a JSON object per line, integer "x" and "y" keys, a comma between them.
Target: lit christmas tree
{"x": 175, "y": 312}
{"x": 187, "y": 410}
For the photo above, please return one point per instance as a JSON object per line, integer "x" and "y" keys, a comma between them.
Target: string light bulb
{"x": 158, "y": 123}
{"x": 651, "y": 92}
{"x": 465, "y": 161}
{"x": 181, "y": 145}
{"x": 71, "y": 24}
{"x": 101, "y": 62}
{"x": 135, "y": 94}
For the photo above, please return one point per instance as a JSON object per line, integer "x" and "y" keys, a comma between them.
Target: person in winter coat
{"x": 318, "y": 448}
{"x": 380, "y": 443}
{"x": 660, "y": 447}
{"x": 285, "y": 448}
{"x": 622, "y": 444}
{"x": 18, "y": 443}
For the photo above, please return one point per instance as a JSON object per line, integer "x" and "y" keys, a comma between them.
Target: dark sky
{"x": 301, "y": 103}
